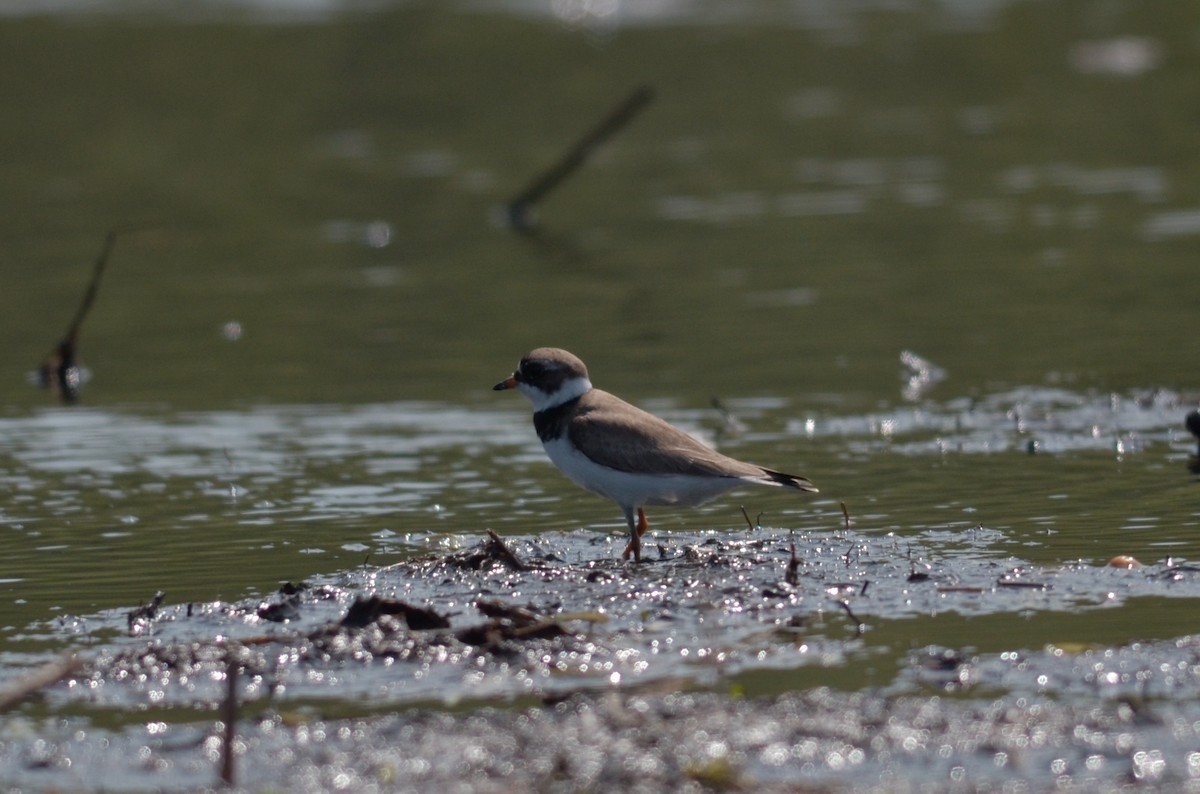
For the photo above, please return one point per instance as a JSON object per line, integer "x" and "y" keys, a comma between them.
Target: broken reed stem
{"x": 505, "y": 553}
{"x": 746, "y": 516}
{"x": 232, "y": 669}
{"x": 89, "y": 296}
{"x": 42, "y": 677}
{"x": 845, "y": 514}
{"x": 146, "y": 612}
{"x": 93, "y": 287}
{"x": 858, "y": 624}
{"x": 58, "y": 369}
{"x": 574, "y": 157}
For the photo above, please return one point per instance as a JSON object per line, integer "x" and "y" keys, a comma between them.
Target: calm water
{"x": 292, "y": 351}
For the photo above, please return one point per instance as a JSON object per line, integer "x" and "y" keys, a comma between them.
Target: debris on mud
{"x": 141, "y": 618}
{"x": 365, "y": 611}
{"x": 287, "y": 607}
{"x": 817, "y": 739}
{"x": 482, "y": 622}
{"x": 492, "y": 552}
{"x": 628, "y": 665}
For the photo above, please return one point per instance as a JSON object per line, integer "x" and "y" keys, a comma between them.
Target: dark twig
{"x": 913, "y": 574}
{"x": 858, "y": 624}
{"x": 1018, "y": 585}
{"x": 232, "y": 668}
{"x": 60, "y": 371}
{"x": 746, "y": 516}
{"x": 520, "y": 207}
{"x": 793, "y": 568}
{"x": 501, "y": 549}
{"x": 138, "y": 619}
{"x": 845, "y": 514}
{"x": 89, "y": 296}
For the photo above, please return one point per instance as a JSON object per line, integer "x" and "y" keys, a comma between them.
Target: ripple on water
{"x": 1028, "y": 419}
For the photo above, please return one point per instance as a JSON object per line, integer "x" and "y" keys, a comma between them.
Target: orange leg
{"x": 635, "y": 540}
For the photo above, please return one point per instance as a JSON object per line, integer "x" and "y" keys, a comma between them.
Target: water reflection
{"x": 169, "y": 501}
{"x": 119, "y": 504}
{"x": 1055, "y": 420}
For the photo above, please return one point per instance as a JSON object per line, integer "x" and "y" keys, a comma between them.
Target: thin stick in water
{"x": 519, "y": 210}
{"x": 746, "y": 516}
{"x": 231, "y": 715}
{"x": 59, "y": 371}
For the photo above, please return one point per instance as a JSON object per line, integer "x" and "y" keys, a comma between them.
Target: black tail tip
{"x": 791, "y": 481}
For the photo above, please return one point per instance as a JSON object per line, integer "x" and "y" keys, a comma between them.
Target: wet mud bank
{"x": 758, "y": 659}
{"x": 820, "y": 739}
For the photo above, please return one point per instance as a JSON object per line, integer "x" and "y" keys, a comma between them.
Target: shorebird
{"x": 620, "y": 452}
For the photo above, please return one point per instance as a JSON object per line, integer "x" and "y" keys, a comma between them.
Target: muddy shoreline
{"x": 545, "y": 663}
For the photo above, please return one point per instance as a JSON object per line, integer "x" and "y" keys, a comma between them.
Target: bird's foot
{"x": 635, "y": 542}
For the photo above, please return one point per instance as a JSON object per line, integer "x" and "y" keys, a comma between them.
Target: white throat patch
{"x": 569, "y": 390}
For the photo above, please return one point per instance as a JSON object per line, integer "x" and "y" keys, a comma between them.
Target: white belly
{"x": 635, "y": 490}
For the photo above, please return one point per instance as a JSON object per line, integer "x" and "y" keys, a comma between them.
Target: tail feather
{"x": 788, "y": 480}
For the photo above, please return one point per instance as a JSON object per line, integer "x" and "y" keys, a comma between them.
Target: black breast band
{"x": 552, "y": 422}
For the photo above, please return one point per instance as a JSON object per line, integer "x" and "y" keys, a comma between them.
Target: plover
{"x": 618, "y": 451}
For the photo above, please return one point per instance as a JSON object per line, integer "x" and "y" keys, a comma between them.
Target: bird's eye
{"x": 531, "y": 369}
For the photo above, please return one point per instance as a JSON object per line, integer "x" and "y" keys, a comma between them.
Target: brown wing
{"x": 632, "y": 440}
